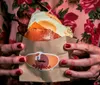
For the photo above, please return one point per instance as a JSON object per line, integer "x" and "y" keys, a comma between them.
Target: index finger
{"x": 6, "y": 48}
{"x": 82, "y": 46}
{"x": 80, "y": 62}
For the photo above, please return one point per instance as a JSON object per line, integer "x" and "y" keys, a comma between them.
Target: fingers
{"x": 81, "y": 62}
{"x": 85, "y": 74}
{"x": 12, "y": 60}
{"x": 6, "y": 48}
{"x": 81, "y": 54}
{"x": 78, "y": 52}
{"x": 15, "y": 72}
{"x": 82, "y": 47}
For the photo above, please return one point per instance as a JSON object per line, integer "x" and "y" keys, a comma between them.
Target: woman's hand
{"x": 93, "y": 61}
{"x": 9, "y": 49}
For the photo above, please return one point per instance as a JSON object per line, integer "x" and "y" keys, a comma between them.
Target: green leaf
{"x": 33, "y": 1}
{"x": 92, "y": 15}
{"x": 34, "y": 6}
{"x": 85, "y": 34}
{"x": 62, "y": 13}
{"x": 59, "y": 3}
{"x": 79, "y": 7}
{"x": 23, "y": 7}
{"x": 86, "y": 37}
{"x": 44, "y": 3}
{"x": 11, "y": 16}
{"x": 15, "y": 5}
{"x": 98, "y": 10}
{"x": 95, "y": 14}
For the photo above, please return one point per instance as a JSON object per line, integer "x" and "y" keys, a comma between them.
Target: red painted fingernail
{"x": 63, "y": 62}
{"x": 68, "y": 73}
{"x": 22, "y": 59}
{"x": 18, "y": 72}
{"x": 19, "y": 46}
{"x": 67, "y": 45}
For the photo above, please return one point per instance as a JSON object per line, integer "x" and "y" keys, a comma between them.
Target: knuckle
{"x": 12, "y": 60}
{"x": 90, "y": 61}
{"x": 86, "y": 47}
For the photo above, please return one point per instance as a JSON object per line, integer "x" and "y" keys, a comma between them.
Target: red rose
{"x": 89, "y": 27}
{"x": 98, "y": 28}
{"x": 94, "y": 39}
{"x": 71, "y": 24}
{"x": 93, "y": 31}
{"x": 71, "y": 16}
{"x": 28, "y": 1}
{"x": 69, "y": 20}
{"x": 22, "y": 1}
{"x": 30, "y": 11}
{"x": 88, "y": 5}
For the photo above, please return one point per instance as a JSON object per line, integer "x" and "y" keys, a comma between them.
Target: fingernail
{"x": 19, "y": 46}
{"x": 22, "y": 59}
{"x": 67, "y": 45}
{"x": 63, "y": 62}
{"x": 68, "y": 73}
{"x": 18, "y": 72}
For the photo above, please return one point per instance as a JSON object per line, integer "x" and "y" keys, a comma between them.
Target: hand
{"x": 9, "y": 48}
{"x": 93, "y": 61}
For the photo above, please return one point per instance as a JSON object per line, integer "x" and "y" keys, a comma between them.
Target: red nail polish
{"x": 68, "y": 73}
{"x": 67, "y": 45}
{"x": 22, "y": 60}
{"x": 63, "y": 62}
{"x": 19, "y": 46}
{"x": 18, "y": 72}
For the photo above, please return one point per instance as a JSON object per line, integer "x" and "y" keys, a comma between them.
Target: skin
{"x": 93, "y": 61}
{"x": 5, "y": 49}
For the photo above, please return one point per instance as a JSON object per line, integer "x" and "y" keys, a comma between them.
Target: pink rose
{"x": 93, "y": 31}
{"x": 89, "y": 26}
{"x": 22, "y": 1}
{"x": 88, "y": 5}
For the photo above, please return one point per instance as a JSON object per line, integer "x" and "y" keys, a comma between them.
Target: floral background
{"x": 22, "y": 10}
{"x": 27, "y": 7}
